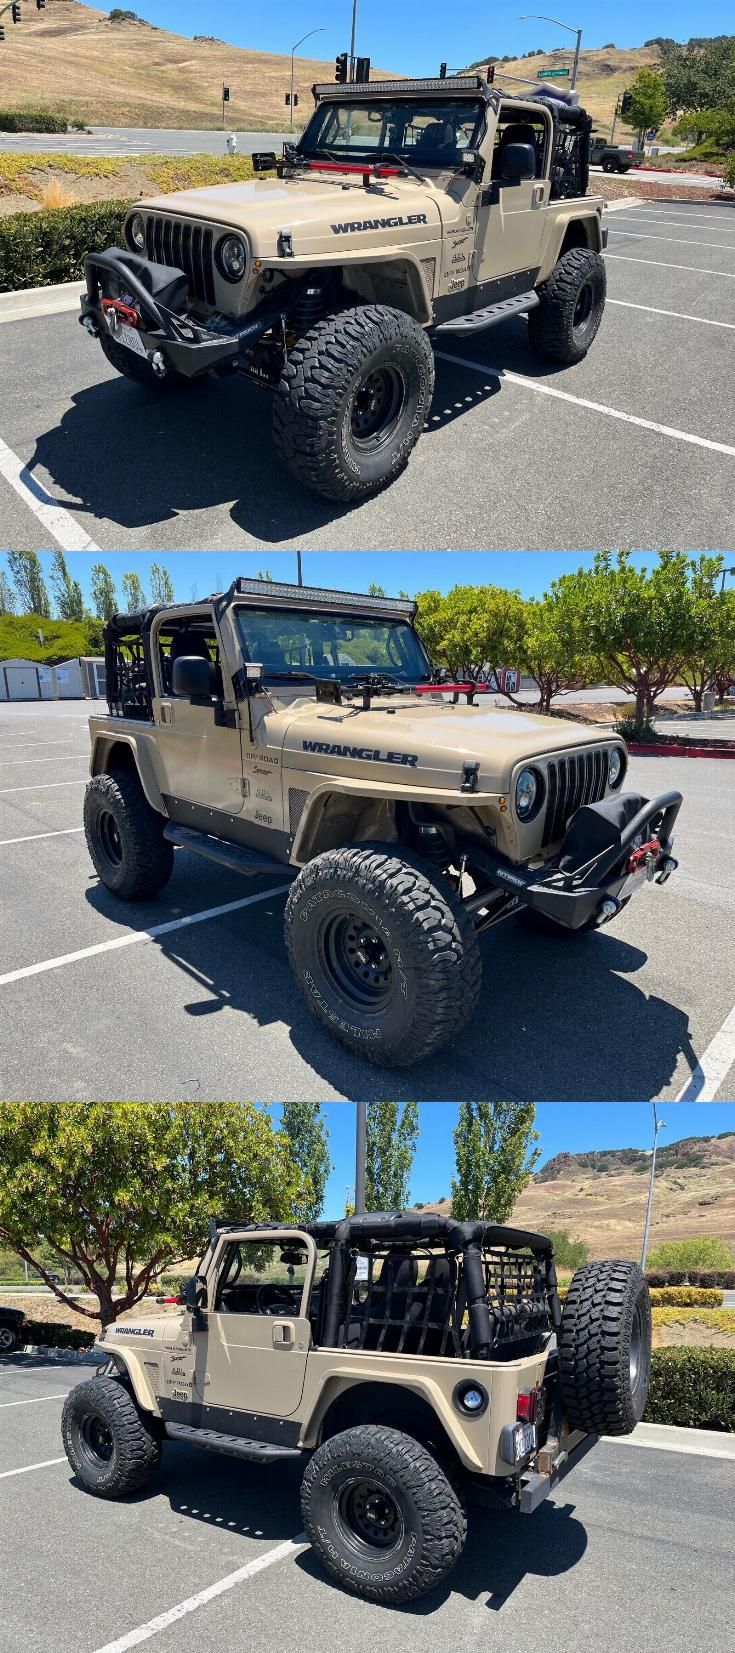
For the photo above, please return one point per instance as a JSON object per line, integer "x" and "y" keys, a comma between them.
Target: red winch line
{"x": 124, "y": 311}
{"x": 355, "y": 166}
{"x": 451, "y": 688}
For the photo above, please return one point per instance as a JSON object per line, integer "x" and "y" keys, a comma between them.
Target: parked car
{"x": 614, "y": 157}
{"x": 12, "y": 1322}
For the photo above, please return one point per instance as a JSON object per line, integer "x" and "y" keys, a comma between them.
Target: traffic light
{"x": 40, "y": 5}
{"x": 626, "y": 103}
{"x": 15, "y": 11}
{"x": 442, "y": 71}
{"x": 225, "y": 94}
{"x": 362, "y": 69}
{"x": 288, "y": 99}
{"x": 490, "y": 73}
{"x": 2, "y": 32}
{"x": 340, "y": 68}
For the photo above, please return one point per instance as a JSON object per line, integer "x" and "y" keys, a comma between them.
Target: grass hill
{"x": 602, "y": 76}
{"x": 601, "y": 1197}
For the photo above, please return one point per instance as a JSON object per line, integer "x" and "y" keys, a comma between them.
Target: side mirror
{"x": 193, "y": 677}
{"x": 264, "y": 160}
{"x": 194, "y": 1294}
{"x": 519, "y": 162}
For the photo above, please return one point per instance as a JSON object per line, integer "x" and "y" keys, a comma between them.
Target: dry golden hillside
{"x": 602, "y": 76}
{"x": 607, "y": 1207}
{"x": 71, "y": 58}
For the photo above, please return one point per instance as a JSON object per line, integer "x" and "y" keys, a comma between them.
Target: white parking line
{"x": 134, "y": 936}
{"x": 713, "y": 1067}
{"x": 43, "y": 786}
{"x": 643, "y": 218}
{"x": 25, "y": 745}
{"x": 583, "y": 402}
{"x": 705, "y": 217}
{"x": 678, "y": 315}
{"x": 37, "y": 1401}
{"x": 31, "y": 837}
{"x": 671, "y": 240}
{"x": 658, "y": 264}
{"x": 58, "y": 522}
{"x": 281, "y": 1552}
{"x": 5, "y": 1474}
{"x": 18, "y": 763}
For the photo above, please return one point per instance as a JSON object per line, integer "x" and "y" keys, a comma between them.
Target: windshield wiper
{"x": 398, "y": 160}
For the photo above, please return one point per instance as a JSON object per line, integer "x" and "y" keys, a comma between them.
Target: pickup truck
{"x": 614, "y": 157}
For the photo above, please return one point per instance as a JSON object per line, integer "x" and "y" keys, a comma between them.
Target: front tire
{"x": 125, "y": 837}
{"x": 563, "y": 326}
{"x": 112, "y": 1447}
{"x": 383, "y": 952}
{"x": 352, "y": 401}
{"x": 605, "y": 1348}
{"x": 381, "y": 1515}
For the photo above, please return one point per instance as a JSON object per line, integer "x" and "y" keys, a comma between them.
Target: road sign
{"x": 552, "y": 74}
{"x": 510, "y": 680}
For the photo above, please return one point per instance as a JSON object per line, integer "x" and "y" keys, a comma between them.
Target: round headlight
{"x": 232, "y": 257}
{"x": 526, "y": 793}
{"x": 136, "y": 232}
{"x": 615, "y": 766}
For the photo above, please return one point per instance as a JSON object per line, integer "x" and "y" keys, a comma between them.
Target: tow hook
{"x": 645, "y": 857}
{"x": 665, "y": 871}
{"x": 117, "y": 313}
{"x": 607, "y": 911}
{"x": 158, "y": 363}
{"x": 90, "y": 326}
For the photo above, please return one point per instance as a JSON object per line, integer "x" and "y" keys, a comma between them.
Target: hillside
{"x": 601, "y": 1197}
{"x": 602, "y": 76}
{"x": 73, "y": 59}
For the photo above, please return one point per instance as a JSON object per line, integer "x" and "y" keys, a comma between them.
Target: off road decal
{"x": 366, "y": 754}
{"x": 379, "y": 223}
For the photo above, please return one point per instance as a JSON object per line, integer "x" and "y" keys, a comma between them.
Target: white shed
{"x": 77, "y": 679}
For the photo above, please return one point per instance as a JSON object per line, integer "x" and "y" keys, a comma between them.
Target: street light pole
{"x": 360, "y": 1156}
{"x": 299, "y": 573}
{"x": 353, "y": 39}
{"x": 540, "y": 17}
{"x": 658, "y": 1125}
{"x": 300, "y": 42}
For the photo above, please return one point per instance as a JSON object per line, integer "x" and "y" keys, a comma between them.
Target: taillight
{"x": 527, "y": 1405}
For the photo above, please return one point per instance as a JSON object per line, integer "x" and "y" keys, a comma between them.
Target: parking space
{"x": 633, "y": 447}
{"x": 637, "y": 1543}
{"x": 191, "y": 996}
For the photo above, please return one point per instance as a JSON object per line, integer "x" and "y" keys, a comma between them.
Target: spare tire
{"x": 605, "y": 1348}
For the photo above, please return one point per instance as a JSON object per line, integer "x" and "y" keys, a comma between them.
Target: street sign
{"x": 510, "y": 680}
{"x": 552, "y": 74}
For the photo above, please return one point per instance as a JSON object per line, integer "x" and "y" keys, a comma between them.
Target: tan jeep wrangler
{"x": 419, "y": 1362}
{"x": 409, "y": 213}
{"x": 284, "y": 729}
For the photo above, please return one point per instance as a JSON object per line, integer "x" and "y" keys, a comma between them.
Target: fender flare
{"x": 142, "y": 750}
{"x": 337, "y": 1384}
{"x": 590, "y": 220}
{"x": 130, "y": 1366}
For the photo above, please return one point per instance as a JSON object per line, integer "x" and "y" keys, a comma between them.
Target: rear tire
{"x": 605, "y": 1348}
{"x": 125, "y": 837}
{"x": 352, "y": 401}
{"x": 381, "y": 1514}
{"x": 383, "y": 952}
{"x": 564, "y": 324}
{"x": 112, "y": 1447}
{"x": 137, "y": 367}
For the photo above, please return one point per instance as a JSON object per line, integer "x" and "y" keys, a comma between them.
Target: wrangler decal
{"x": 379, "y": 223}
{"x": 366, "y": 754}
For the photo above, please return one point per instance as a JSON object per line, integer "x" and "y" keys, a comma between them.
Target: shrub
{"x": 694, "y": 1388}
{"x": 631, "y": 729}
{"x": 716, "y": 1320}
{"x": 685, "y": 1297}
{"x": 694, "y": 1277}
{"x": 40, "y": 248}
{"x": 31, "y": 120}
{"x": 704, "y": 1251}
{"x": 52, "y": 1335}
{"x": 568, "y": 1253}
{"x": 54, "y": 196}
{"x": 728, "y": 173}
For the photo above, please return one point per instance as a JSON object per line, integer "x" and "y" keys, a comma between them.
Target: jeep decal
{"x": 133, "y": 1331}
{"x": 379, "y": 223}
{"x": 366, "y": 754}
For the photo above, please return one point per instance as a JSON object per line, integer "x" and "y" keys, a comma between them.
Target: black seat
{"x": 430, "y": 1310}
{"x": 388, "y": 1300}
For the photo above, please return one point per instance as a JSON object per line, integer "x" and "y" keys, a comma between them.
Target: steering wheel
{"x": 273, "y": 1300}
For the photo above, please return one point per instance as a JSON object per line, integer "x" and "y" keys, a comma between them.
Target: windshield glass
{"x": 288, "y": 643}
{"x": 423, "y": 131}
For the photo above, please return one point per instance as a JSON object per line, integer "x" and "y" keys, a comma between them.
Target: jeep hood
{"x": 317, "y": 211}
{"x": 143, "y": 1334}
{"x": 427, "y": 742}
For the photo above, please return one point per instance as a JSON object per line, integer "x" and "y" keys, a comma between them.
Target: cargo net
{"x": 570, "y": 160}
{"x": 415, "y": 1303}
{"x": 128, "y": 689}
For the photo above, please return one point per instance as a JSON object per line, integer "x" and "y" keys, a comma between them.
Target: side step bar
{"x": 233, "y": 1446}
{"x": 236, "y": 857}
{"x": 492, "y": 313}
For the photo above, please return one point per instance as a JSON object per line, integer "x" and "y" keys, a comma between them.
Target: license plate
{"x": 636, "y": 880}
{"x": 129, "y": 336}
{"x": 525, "y": 1439}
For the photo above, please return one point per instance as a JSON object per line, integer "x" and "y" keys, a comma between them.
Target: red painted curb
{"x": 664, "y": 750}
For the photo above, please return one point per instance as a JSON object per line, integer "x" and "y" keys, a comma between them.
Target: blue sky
{"x": 530, "y": 571}
{"x": 415, "y": 37}
{"x": 573, "y": 1127}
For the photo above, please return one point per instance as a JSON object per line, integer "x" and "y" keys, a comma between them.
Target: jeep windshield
{"x": 425, "y": 131}
{"x": 291, "y": 644}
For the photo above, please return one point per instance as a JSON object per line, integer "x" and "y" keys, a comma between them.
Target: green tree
{"x": 8, "y": 599}
{"x": 392, "y": 1135}
{"x": 265, "y": 574}
{"x": 134, "y": 594}
{"x": 472, "y": 627}
{"x": 27, "y": 576}
{"x": 568, "y": 1253}
{"x": 705, "y": 1251}
{"x": 635, "y": 620}
{"x": 375, "y": 590}
{"x": 495, "y": 1153}
{"x": 709, "y": 634}
{"x": 104, "y": 596}
{"x": 122, "y": 1191}
{"x": 305, "y": 1127}
{"x": 699, "y": 75}
{"x": 67, "y": 592}
{"x": 162, "y": 590}
{"x": 554, "y": 650}
{"x": 648, "y": 101}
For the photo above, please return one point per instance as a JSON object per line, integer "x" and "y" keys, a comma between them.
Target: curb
{"x": 668, "y": 1437}
{"x": 23, "y": 302}
{"x": 79, "y": 1357}
{"x": 664, "y": 750}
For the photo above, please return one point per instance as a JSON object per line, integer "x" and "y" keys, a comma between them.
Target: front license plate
{"x": 635, "y": 881}
{"x": 129, "y": 337}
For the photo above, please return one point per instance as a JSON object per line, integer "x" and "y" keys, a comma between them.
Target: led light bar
{"x": 319, "y": 596}
{"x": 397, "y": 88}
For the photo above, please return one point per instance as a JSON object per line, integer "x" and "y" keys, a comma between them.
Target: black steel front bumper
{"x": 591, "y": 876}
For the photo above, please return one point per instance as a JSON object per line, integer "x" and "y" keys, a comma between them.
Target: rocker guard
{"x": 591, "y": 866}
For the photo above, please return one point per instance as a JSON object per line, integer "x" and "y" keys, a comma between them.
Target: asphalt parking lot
{"x": 633, "y": 447}
{"x": 191, "y": 996}
{"x": 634, "y": 1550}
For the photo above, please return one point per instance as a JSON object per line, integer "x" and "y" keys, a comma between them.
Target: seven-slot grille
{"x": 183, "y": 246}
{"x": 580, "y": 778}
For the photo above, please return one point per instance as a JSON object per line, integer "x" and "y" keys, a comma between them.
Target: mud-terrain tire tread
{"x": 138, "y": 368}
{"x": 440, "y": 1504}
{"x": 150, "y": 856}
{"x": 307, "y": 400}
{"x": 445, "y": 955}
{"x": 137, "y": 1444}
{"x": 550, "y": 323}
{"x": 593, "y": 1358}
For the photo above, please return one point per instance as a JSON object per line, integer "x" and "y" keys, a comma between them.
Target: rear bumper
{"x": 600, "y": 864}
{"x": 535, "y": 1486}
